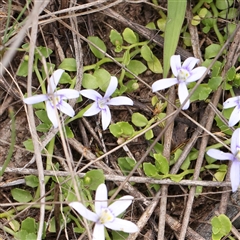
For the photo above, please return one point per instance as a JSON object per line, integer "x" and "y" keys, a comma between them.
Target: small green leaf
{"x": 119, "y": 235}
{"x": 43, "y": 127}
{"x": 42, "y": 116}
{"x": 223, "y": 4}
{"x": 212, "y": 50}
{"x": 32, "y": 181}
{"x": 66, "y": 79}
{"x": 68, "y": 64}
{"x": 130, "y": 36}
{"x": 98, "y": 42}
{"x": 21, "y": 195}
{"x": 89, "y": 81}
{"x": 161, "y": 23}
{"x": 126, "y": 164}
{"x": 135, "y": 67}
{"x": 155, "y": 65}
{"x": 151, "y": 171}
{"x": 229, "y": 13}
{"x": 149, "y": 134}
{"x": 103, "y": 78}
{"x": 69, "y": 132}
{"x": 196, "y": 20}
{"x": 28, "y": 144}
{"x": 147, "y": 53}
{"x": 187, "y": 39}
{"x": 139, "y": 120}
{"x": 45, "y": 52}
{"x": 23, "y": 69}
{"x": 161, "y": 163}
{"x": 29, "y": 225}
{"x": 214, "y": 82}
{"x": 121, "y": 129}
{"x": 201, "y": 93}
{"x": 126, "y": 58}
{"x": 203, "y": 12}
{"x": 116, "y": 38}
{"x": 94, "y": 178}
{"x": 231, "y": 73}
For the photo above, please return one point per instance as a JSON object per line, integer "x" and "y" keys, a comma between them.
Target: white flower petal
{"x": 175, "y": 63}
{"x": 111, "y": 87}
{"x": 183, "y": 94}
{"x": 196, "y": 74}
{"x": 98, "y": 232}
{"x": 35, "y": 99}
{"x": 235, "y": 175}
{"x": 67, "y": 93}
{"x": 101, "y": 198}
{"x": 235, "y": 117}
{"x": 122, "y": 225}
{"x": 83, "y": 211}
{"x": 54, "y": 80}
{"x": 66, "y": 108}
{"x": 163, "y": 84}
{"x": 120, "y": 205}
{"x": 91, "y": 94}
{"x": 235, "y": 141}
{"x": 93, "y": 110}
{"x": 106, "y": 117}
{"x": 51, "y": 112}
{"x": 231, "y": 102}
{"x": 120, "y": 101}
{"x": 219, "y": 155}
{"x": 189, "y": 63}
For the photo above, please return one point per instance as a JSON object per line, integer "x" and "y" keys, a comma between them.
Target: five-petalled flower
{"x": 234, "y": 157}
{"x": 55, "y": 98}
{"x": 106, "y": 215}
{"x": 235, "y": 116}
{"x": 101, "y": 103}
{"x": 183, "y": 75}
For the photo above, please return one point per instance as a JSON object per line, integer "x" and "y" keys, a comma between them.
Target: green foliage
{"x": 221, "y": 226}
{"x": 100, "y": 44}
{"x": 122, "y": 129}
{"x": 69, "y": 64}
{"x": 126, "y": 164}
{"x": 175, "y": 18}
{"x": 93, "y": 179}
{"x": 21, "y": 195}
{"x": 139, "y": 120}
{"x": 89, "y": 81}
{"x": 212, "y": 51}
{"x": 31, "y": 181}
{"x": 130, "y": 36}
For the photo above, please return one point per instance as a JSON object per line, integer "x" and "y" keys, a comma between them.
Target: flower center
{"x": 183, "y": 75}
{"x": 102, "y": 102}
{"x": 238, "y": 154}
{"x": 54, "y": 100}
{"x": 106, "y": 216}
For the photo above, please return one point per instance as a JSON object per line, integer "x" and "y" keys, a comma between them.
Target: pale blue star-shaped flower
{"x": 105, "y": 215}
{"x": 101, "y": 103}
{"x": 55, "y": 98}
{"x": 235, "y": 116}
{"x": 184, "y": 74}
{"x": 234, "y": 157}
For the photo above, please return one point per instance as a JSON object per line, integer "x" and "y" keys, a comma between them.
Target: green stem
{"x": 13, "y": 140}
{"x": 198, "y": 6}
{"x": 39, "y": 76}
{"x": 215, "y": 27}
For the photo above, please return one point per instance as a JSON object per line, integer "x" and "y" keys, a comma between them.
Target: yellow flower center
{"x": 183, "y": 75}
{"x": 238, "y": 155}
{"x": 106, "y": 216}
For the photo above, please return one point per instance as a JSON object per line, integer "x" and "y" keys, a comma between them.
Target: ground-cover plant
{"x": 105, "y": 215}
{"x": 183, "y": 75}
{"x": 55, "y": 99}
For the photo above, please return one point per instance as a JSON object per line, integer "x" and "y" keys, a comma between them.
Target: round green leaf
{"x": 212, "y": 50}
{"x": 139, "y": 120}
{"x": 130, "y": 36}
{"x": 89, "y": 81}
{"x": 103, "y": 78}
{"x": 69, "y": 64}
{"x": 94, "y": 178}
{"x": 21, "y": 195}
{"x": 223, "y": 4}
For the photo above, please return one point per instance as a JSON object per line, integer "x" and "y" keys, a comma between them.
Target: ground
{"x": 177, "y": 189}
